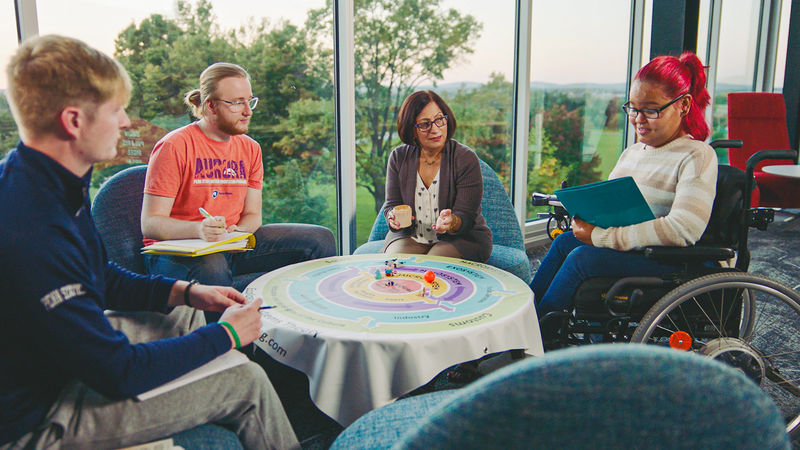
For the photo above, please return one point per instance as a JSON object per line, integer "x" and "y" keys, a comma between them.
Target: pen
{"x": 266, "y": 307}
{"x": 206, "y": 214}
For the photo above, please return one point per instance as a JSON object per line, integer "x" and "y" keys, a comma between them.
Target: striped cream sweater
{"x": 678, "y": 181}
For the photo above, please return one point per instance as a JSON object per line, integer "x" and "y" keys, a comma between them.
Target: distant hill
{"x": 451, "y": 88}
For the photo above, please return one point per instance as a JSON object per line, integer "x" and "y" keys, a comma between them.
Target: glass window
{"x": 165, "y": 46}
{"x": 783, "y": 38}
{"x": 736, "y": 61}
{"x": 578, "y": 88}
{"x": 461, "y": 49}
{"x": 8, "y": 45}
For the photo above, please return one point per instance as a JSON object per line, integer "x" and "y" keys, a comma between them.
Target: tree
{"x": 564, "y": 128}
{"x": 287, "y": 199}
{"x": 484, "y": 121}
{"x": 8, "y": 128}
{"x": 398, "y": 45}
{"x": 165, "y": 57}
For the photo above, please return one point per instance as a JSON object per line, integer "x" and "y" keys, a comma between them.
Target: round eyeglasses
{"x": 238, "y": 106}
{"x": 649, "y": 113}
{"x": 426, "y": 126}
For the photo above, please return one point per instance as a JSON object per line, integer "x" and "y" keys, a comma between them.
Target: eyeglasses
{"x": 238, "y": 106}
{"x": 648, "y": 112}
{"x": 426, "y": 126}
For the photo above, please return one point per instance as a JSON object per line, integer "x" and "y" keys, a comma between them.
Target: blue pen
{"x": 266, "y": 307}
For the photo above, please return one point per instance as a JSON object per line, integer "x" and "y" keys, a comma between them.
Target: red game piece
{"x": 430, "y": 276}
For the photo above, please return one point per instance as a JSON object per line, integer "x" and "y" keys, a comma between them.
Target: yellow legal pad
{"x": 235, "y": 241}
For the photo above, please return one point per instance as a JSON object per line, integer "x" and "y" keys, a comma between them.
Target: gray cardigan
{"x": 461, "y": 189}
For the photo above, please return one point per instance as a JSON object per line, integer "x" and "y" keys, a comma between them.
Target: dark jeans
{"x": 277, "y": 245}
{"x": 569, "y": 262}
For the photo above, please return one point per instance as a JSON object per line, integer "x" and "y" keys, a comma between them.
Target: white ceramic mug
{"x": 402, "y": 213}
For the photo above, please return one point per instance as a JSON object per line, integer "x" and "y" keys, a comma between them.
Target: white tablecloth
{"x": 364, "y": 341}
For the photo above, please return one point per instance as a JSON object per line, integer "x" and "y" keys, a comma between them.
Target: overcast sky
{"x": 561, "y": 51}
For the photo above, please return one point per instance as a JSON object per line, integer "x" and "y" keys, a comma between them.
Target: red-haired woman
{"x": 675, "y": 170}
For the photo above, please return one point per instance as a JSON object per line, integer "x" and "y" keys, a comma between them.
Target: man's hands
{"x": 215, "y": 298}
{"x": 582, "y": 230}
{"x": 212, "y": 229}
{"x": 245, "y": 319}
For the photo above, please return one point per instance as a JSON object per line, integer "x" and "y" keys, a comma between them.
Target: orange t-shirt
{"x": 198, "y": 171}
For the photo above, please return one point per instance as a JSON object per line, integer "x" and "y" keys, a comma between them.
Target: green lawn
{"x": 365, "y": 213}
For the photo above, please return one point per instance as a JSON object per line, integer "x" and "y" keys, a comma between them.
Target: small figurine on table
{"x": 391, "y": 268}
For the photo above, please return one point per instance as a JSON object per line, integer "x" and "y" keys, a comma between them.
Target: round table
{"x": 784, "y": 170}
{"x": 364, "y": 338}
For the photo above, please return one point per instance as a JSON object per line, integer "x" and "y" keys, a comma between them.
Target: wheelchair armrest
{"x": 691, "y": 254}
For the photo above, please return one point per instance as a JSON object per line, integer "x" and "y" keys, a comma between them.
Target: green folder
{"x": 611, "y": 203}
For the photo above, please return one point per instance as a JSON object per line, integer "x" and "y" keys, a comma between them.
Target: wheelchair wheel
{"x": 747, "y": 321}
{"x": 557, "y": 225}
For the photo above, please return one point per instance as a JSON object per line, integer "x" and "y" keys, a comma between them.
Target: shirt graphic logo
{"x": 60, "y": 295}
{"x": 219, "y": 169}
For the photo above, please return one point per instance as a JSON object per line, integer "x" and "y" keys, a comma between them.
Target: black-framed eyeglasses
{"x": 649, "y": 113}
{"x": 238, "y": 106}
{"x": 426, "y": 126}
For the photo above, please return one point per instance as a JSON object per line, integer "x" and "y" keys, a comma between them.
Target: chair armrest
{"x": 691, "y": 254}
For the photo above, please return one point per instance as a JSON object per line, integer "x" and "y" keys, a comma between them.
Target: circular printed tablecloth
{"x": 365, "y": 337}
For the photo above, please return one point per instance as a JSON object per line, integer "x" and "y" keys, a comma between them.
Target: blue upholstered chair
{"x": 207, "y": 437}
{"x": 117, "y": 210}
{"x": 508, "y": 249}
{"x": 600, "y": 396}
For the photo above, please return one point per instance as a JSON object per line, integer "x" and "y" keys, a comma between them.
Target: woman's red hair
{"x": 684, "y": 75}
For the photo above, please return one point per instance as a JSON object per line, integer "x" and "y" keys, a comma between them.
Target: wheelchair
{"x": 558, "y": 219}
{"x": 747, "y": 321}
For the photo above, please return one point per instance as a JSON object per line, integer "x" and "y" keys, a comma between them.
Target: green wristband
{"x": 233, "y": 332}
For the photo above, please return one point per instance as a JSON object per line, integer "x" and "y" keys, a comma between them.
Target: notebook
{"x": 235, "y": 241}
{"x": 611, "y": 203}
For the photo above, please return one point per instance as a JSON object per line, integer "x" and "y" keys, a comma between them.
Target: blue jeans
{"x": 569, "y": 262}
{"x": 277, "y": 245}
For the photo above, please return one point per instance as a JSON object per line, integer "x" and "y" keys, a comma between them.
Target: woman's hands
{"x": 447, "y": 221}
{"x": 582, "y": 230}
{"x": 393, "y": 222}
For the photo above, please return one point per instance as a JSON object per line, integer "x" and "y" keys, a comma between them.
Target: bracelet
{"x": 186, "y": 292}
{"x": 456, "y": 223}
{"x": 233, "y": 332}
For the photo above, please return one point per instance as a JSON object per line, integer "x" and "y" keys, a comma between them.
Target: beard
{"x": 231, "y": 127}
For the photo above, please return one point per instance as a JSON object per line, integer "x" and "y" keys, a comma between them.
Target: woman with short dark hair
{"x": 440, "y": 179}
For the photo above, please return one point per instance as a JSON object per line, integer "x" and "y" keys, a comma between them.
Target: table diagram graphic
{"x": 353, "y": 293}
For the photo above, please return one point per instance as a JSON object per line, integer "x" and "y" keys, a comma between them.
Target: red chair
{"x": 759, "y": 120}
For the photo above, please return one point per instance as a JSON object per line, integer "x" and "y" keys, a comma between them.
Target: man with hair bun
{"x": 212, "y": 164}
{"x": 81, "y": 337}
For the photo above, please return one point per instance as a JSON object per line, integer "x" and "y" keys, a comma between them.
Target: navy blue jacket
{"x": 55, "y": 282}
